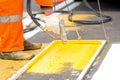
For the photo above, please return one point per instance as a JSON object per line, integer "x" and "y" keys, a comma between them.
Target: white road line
{"x": 110, "y": 67}
{"x": 72, "y": 6}
{"x": 26, "y": 22}
{"x": 31, "y": 33}
{"x": 62, "y": 5}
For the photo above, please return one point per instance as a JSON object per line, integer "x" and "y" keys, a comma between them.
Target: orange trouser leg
{"x": 11, "y": 28}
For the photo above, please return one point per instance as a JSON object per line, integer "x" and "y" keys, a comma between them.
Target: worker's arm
{"x": 48, "y": 2}
{"x": 47, "y": 5}
{"x": 52, "y": 22}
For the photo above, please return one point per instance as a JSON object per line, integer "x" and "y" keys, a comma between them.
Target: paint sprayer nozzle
{"x": 62, "y": 31}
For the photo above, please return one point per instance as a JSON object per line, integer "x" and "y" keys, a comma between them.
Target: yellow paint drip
{"x": 75, "y": 54}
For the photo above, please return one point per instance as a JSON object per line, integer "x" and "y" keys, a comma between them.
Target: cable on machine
{"x": 105, "y": 17}
{"x": 35, "y": 20}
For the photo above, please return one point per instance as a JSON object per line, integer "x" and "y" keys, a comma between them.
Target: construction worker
{"x": 12, "y": 42}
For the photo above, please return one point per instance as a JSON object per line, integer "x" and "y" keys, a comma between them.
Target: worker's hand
{"x": 48, "y": 12}
{"x": 52, "y": 24}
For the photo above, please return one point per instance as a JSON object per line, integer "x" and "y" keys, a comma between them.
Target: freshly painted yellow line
{"x": 75, "y": 17}
{"x": 75, "y": 54}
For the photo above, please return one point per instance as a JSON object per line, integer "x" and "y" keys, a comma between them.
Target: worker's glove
{"x": 52, "y": 24}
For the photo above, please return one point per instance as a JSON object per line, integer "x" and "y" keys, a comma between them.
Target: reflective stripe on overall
{"x": 10, "y": 18}
{"x": 11, "y": 27}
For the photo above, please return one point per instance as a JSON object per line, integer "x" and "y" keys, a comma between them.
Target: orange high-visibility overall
{"x": 47, "y": 2}
{"x": 11, "y": 27}
{"x": 44, "y": 2}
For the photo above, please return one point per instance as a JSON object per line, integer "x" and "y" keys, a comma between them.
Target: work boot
{"x": 31, "y": 46}
{"x": 17, "y": 55}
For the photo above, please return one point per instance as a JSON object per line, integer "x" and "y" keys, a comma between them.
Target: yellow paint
{"x": 75, "y": 17}
{"x": 75, "y": 54}
{"x": 10, "y": 67}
